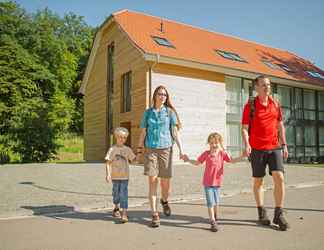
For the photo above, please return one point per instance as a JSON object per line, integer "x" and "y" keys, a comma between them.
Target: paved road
{"x": 44, "y": 188}
{"x": 68, "y": 207}
{"x": 186, "y": 229}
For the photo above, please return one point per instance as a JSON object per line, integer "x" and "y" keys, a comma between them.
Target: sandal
{"x": 124, "y": 217}
{"x": 213, "y": 226}
{"x": 155, "y": 220}
{"x": 116, "y": 213}
{"x": 166, "y": 207}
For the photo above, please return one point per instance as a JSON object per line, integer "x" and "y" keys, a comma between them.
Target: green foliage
{"x": 42, "y": 57}
{"x": 71, "y": 149}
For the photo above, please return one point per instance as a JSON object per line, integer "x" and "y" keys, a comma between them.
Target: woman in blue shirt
{"x": 159, "y": 129}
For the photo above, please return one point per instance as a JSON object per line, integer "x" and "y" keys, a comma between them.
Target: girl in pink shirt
{"x": 214, "y": 159}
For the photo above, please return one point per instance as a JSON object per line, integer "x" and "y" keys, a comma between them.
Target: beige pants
{"x": 158, "y": 162}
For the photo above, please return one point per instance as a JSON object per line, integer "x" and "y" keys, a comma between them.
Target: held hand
{"x": 138, "y": 155}
{"x": 185, "y": 158}
{"x": 182, "y": 156}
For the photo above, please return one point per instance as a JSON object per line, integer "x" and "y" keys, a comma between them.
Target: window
{"x": 110, "y": 77}
{"x": 110, "y": 90}
{"x": 309, "y": 105}
{"x": 233, "y": 95}
{"x": 126, "y": 100}
{"x": 298, "y": 103}
{"x": 320, "y": 106}
{"x": 321, "y": 140}
{"x": 315, "y": 74}
{"x": 285, "y": 67}
{"x": 233, "y": 138}
{"x": 271, "y": 65}
{"x": 237, "y": 93}
{"x": 284, "y": 97}
{"x": 162, "y": 41}
{"x": 277, "y": 66}
{"x": 310, "y": 141}
{"x": 230, "y": 55}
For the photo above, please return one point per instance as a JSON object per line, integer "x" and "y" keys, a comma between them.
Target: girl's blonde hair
{"x": 167, "y": 103}
{"x": 121, "y": 131}
{"x": 216, "y": 136}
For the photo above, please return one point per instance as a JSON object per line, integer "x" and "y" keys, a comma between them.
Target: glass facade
{"x": 303, "y": 114}
{"x": 237, "y": 94}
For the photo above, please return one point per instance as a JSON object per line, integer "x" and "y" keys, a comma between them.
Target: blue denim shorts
{"x": 212, "y": 195}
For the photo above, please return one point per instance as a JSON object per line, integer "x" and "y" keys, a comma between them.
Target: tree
{"x": 41, "y": 60}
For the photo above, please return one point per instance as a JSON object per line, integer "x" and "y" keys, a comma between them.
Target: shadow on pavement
{"x": 244, "y": 206}
{"x": 142, "y": 217}
{"x": 70, "y": 192}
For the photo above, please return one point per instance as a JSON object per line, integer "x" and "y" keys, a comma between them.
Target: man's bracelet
{"x": 284, "y": 144}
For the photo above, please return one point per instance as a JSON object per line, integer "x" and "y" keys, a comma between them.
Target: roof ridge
{"x": 204, "y": 29}
{"x": 120, "y": 11}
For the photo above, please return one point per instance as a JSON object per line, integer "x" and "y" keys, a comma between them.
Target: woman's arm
{"x": 142, "y": 138}
{"x": 140, "y": 147}
{"x": 177, "y": 139}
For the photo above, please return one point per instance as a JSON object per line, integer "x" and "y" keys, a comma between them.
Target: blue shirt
{"x": 158, "y": 126}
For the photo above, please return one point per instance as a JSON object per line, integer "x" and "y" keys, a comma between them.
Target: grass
{"x": 71, "y": 150}
{"x": 314, "y": 165}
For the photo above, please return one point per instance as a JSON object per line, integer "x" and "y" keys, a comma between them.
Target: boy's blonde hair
{"x": 217, "y": 136}
{"x": 121, "y": 131}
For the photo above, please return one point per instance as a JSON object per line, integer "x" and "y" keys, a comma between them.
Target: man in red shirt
{"x": 261, "y": 139}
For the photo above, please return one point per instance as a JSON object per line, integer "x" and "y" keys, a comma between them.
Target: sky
{"x": 296, "y": 26}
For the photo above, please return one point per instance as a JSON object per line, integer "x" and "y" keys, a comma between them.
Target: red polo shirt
{"x": 264, "y": 125}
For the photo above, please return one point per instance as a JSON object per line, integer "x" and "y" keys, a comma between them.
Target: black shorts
{"x": 260, "y": 159}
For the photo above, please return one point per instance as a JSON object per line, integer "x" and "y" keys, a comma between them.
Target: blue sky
{"x": 296, "y": 26}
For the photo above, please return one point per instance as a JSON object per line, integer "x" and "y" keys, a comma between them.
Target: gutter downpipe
{"x": 157, "y": 60}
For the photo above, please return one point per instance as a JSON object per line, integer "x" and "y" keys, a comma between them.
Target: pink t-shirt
{"x": 214, "y": 169}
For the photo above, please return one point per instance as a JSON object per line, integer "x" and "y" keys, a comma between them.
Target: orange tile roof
{"x": 199, "y": 45}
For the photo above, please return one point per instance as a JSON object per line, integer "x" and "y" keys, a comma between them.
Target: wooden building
{"x": 209, "y": 77}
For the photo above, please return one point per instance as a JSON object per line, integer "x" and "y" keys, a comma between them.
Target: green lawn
{"x": 314, "y": 165}
{"x": 71, "y": 150}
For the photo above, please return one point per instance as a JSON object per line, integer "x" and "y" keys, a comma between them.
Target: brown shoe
{"x": 116, "y": 213}
{"x": 263, "y": 217}
{"x": 280, "y": 220}
{"x": 124, "y": 217}
{"x": 213, "y": 226}
{"x": 155, "y": 220}
{"x": 166, "y": 207}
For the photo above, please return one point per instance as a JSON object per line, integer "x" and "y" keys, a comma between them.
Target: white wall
{"x": 201, "y": 107}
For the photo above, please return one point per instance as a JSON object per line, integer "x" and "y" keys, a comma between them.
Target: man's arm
{"x": 282, "y": 133}
{"x": 245, "y": 136}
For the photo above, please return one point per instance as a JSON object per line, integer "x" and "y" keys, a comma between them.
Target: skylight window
{"x": 315, "y": 74}
{"x": 271, "y": 65}
{"x": 285, "y": 67}
{"x": 230, "y": 56}
{"x": 162, "y": 41}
